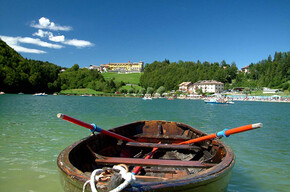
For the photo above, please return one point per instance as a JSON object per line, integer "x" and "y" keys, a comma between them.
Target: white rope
{"x": 127, "y": 176}
{"x": 84, "y": 186}
{"x": 92, "y": 180}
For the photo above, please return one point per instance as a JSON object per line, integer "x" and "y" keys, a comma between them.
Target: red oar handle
{"x": 75, "y": 121}
{"x": 93, "y": 127}
{"x": 138, "y": 168}
{"x": 224, "y": 133}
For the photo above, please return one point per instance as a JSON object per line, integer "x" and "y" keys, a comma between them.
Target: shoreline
{"x": 282, "y": 99}
{"x": 253, "y": 100}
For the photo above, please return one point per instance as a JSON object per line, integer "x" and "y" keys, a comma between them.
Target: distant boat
{"x": 40, "y": 94}
{"x": 147, "y": 98}
{"x": 218, "y": 101}
{"x": 2, "y": 93}
{"x": 170, "y": 98}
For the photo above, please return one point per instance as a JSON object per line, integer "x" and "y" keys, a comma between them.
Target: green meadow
{"x": 130, "y": 78}
{"x": 84, "y": 91}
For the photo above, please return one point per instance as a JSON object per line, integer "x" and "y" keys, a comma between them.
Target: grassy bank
{"x": 130, "y": 78}
{"x": 94, "y": 93}
{"x": 127, "y": 87}
{"x": 80, "y": 92}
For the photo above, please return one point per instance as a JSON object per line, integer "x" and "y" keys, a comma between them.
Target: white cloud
{"x": 38, "y": 42}
{"x": 45, "y": 23}
{"x": 41, "y": 33}
{"x": 51, "y": 37}
{"x": 26, "y": 50}
{"x": 78, "y": 43}
{"x": 13, "y": 42}
{"x": 59, "y": 38}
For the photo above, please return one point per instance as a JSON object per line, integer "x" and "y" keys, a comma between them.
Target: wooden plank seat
{"x": 152, "y": 162}
{"x": 150, "y": 178}
{"x": 163, "y": 146}
{"x": 154, "y": 136}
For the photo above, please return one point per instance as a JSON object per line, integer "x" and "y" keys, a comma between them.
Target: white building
{"x": 209, "y": 86}
{"x": 268, "y": 90}
{"x": 245, "y": 69}
{"x": 93, "y": 67}
{"x": 135, "y": 67}
{"x": 185, "y": 86}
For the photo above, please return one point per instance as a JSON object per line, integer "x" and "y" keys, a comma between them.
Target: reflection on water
{"x": 31, "y": 136}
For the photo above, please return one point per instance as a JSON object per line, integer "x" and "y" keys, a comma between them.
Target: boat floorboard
{"x": 153, "y": 162}
{"x": 162, "y": 146}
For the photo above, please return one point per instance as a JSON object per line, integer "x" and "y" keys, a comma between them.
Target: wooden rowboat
{"x": 203, "y": 166}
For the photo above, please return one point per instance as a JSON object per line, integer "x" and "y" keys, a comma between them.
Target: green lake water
{"x": 31, "y": 136}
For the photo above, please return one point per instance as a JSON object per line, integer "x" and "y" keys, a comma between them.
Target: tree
{"x": 64, "y": 87}
{"x": 269, "y": 58}
{"x": 75, "y": 67}
{"x": 247, "y": 91}
{"x": 199, "y": 92}
{"x": 122, "y": 90}
{"x": 142, "y": 91}
{"x": 161, "y": 90}
{"x": 150, "y": 90}
{"x": 136, "y": 91}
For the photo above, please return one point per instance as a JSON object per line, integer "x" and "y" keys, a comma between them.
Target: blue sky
{"x": 67, "y": 32}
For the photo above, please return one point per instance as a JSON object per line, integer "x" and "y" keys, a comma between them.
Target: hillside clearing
{"x": 130, "y": 78}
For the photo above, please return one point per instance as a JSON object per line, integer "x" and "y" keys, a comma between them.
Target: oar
{"x": 138, "y": 168}
{"x": 93, "y": 127}
{"x": 224, "y": 133}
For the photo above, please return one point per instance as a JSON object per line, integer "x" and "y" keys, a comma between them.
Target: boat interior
{"x": 170, "y": 161}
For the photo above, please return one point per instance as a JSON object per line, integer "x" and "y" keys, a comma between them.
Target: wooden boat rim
{"x": 227, "y": 163}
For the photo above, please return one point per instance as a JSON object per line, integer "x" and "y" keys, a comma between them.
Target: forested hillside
{"x": 170, "y": 75}
{"x": 75, "y": 78}
{"x": 29, "y": 76}
{"x": 273, "y": 73}
{"x": 18, "y": 74}
{"x": 22, "y": 75}
{"x": 266, "y": 73}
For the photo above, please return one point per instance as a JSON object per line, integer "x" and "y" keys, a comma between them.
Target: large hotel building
{"x": 130, "y": 67}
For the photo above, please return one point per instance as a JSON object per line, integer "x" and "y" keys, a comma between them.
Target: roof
{"x": 129, "y": 63}
{"x": 208, "y": 82}
{"x": 104, "y": 65}
{"x": 185, "y": 83}
{"x": 245, "y": 67}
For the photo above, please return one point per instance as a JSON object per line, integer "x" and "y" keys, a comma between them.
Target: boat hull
{"x": 214, "y": 102}
{"x": 214, "y": 179}
{"x": 218, "y": 103}
{"x": 217, "y": 183}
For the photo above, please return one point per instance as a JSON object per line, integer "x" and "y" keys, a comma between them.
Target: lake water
{"x": 31, "y": 136}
